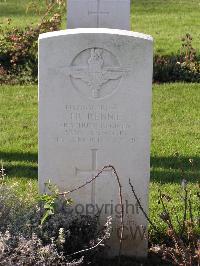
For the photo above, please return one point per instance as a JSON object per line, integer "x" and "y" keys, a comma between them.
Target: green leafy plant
{"x": 50, "y": 199}
{"x": 183, "y": 67}
{"x": 19, "y": 56}
{"x": 19, "y": 49}
{"x": 189, "y": 59}
{"x": 62, "y": 239}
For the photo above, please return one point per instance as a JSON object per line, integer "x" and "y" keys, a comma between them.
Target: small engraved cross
{"x": 98, "y": 13}
{"x": 92, "y": 173}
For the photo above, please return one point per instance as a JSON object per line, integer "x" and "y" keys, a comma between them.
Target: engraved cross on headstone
{"x": 92, "y": 173}
{"x": 98, "y": 13}
{"x": 114, "y": 14}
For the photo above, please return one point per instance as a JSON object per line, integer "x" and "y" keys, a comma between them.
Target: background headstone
{"x": 113, "y": 14}
{"x": 95, "y": 110}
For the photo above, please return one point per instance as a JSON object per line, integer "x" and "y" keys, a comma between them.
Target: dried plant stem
{"x": 185, "y": 209}
{"x": 2, "y": 171}
{"x": 49, "y": 8}
{"x": 120, "y": 199}
{"x": 176, "y": 239}
{"x": 190, "y": 210}
{"x": 169, "y": 222}
{"x": 88, "y": 249}
{"x": 141, "y": 208}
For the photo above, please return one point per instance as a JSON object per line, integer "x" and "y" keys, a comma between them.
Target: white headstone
{"x": 95, "y": 110}
{"x": 113, "y": 14}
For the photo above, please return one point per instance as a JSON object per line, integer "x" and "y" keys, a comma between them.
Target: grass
{"x": 18, "y": 132}
{"x": 175, "y": 152}
{"x": 176, "y": 132}
{"x": 23, "y": 13}
{"x": 166, "y": 20}
{"x": 16, "y": 10}
{"x": 175, "y": 149}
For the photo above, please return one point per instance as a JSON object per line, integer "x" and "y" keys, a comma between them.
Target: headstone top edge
{"x": 97, "y": 31}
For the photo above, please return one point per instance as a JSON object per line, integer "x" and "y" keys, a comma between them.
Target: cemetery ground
{"x": 175, "y": 147}
{"x": 174, "y": 151}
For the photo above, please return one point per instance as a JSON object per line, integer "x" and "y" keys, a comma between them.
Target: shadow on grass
{"x": 163, "y": 169}
{"x": 11, "y": 10}
{"x": 27, "y": 171}
{"x": 19, "y": 156}
{"x": 175, "y": 169}
{"x": 19, "y": 164}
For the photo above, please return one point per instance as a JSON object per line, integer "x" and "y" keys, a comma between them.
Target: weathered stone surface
{"x": 113, "y": 14}
{"x": 95, "y": 110}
